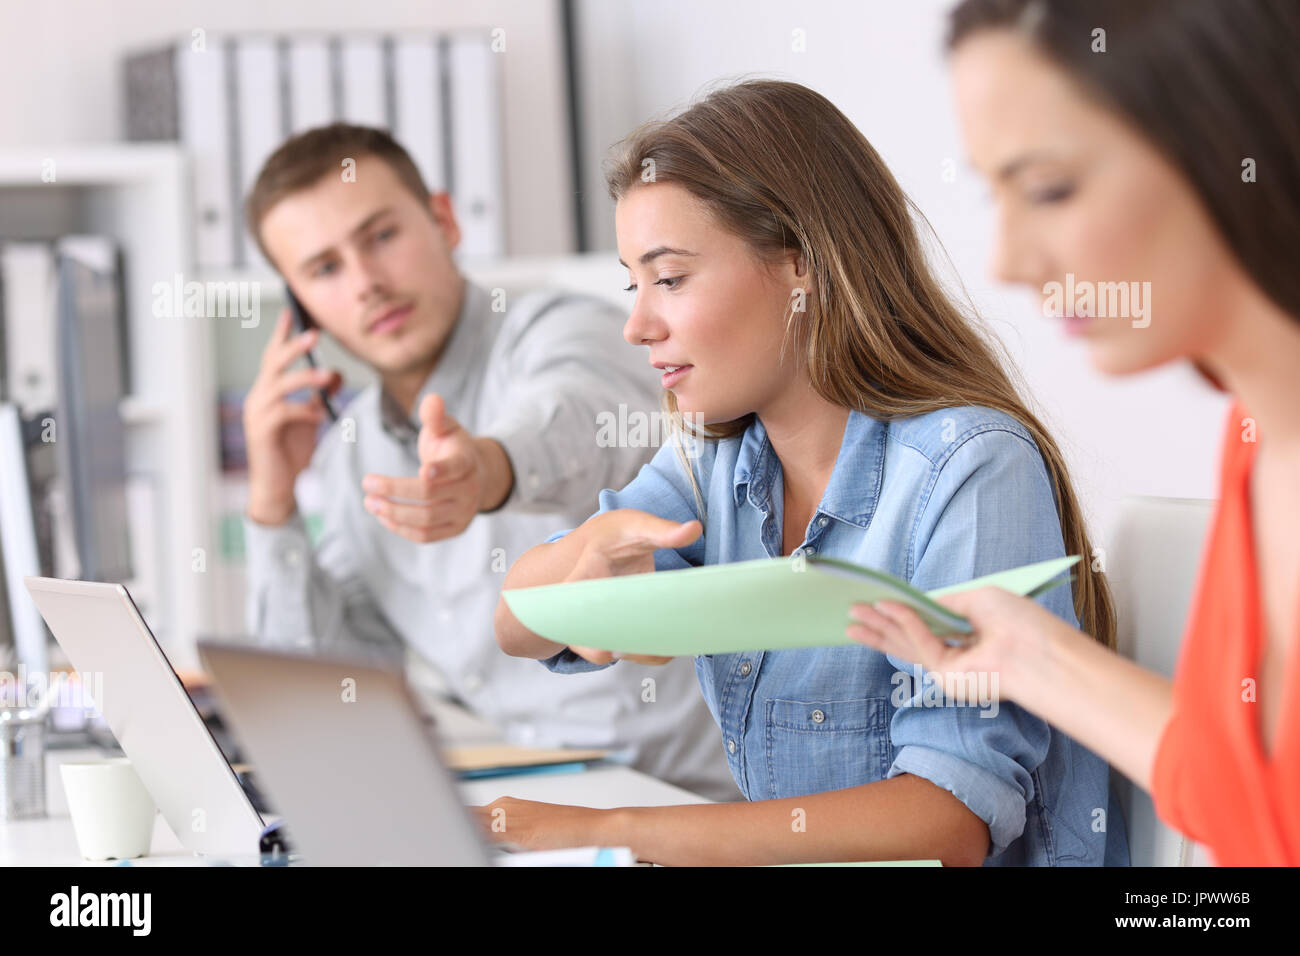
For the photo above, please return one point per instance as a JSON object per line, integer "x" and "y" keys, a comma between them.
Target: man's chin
{"x": 399, "y": 357}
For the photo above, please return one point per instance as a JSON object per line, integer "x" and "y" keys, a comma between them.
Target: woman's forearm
{"x": 902, "y": 818}
{"x": 543, "y": 564}
{"x": 1104, "y": 701}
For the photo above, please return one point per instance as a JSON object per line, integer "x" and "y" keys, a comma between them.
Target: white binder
{"x": 204, "y": 112}
{"x": 310, "y": 83}
{"x": 30, "y": 347}
{"x": 261, "y": 129}
{"x": 362, "y": 62}
{"x": 476, "y": 145}
{"x": 417, "y": 112}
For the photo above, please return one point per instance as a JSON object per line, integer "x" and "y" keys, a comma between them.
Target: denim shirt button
{"x": 745, "y": 668}
{"x": 822, "y": 521}
{"x": 810, "y": 550}
{"x": 818, "y": 716}
{"x": 731, "y": 746}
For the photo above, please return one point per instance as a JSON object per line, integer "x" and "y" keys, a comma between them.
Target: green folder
{"x": 767, "y": 604}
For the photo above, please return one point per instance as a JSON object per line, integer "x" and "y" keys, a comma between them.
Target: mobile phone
{"x": 302, "y": 321}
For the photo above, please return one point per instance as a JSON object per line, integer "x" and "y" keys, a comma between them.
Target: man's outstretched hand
{"x": 459, "y": 476}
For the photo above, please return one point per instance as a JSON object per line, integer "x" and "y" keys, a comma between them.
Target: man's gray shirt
{"x": 542, "y": 378}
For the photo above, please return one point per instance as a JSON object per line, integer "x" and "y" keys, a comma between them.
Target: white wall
{"x": 881, "y": 62}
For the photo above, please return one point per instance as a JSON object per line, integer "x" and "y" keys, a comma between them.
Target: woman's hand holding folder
{"x": 614, "y": 543}
{"x": 621, "y": 542}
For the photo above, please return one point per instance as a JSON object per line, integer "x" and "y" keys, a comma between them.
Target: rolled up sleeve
{"x": 567, "y": 662}
{"x": 991, "y": 508}
{"x": 660, "y": 488}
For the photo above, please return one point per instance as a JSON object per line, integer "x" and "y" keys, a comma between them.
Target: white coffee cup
{"x": 112, "y": 812}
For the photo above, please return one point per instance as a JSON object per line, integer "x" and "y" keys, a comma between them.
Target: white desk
{"x": 51, "y": 842}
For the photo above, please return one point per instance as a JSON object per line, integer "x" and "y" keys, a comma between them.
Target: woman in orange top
{"x": 1138, "y": 143}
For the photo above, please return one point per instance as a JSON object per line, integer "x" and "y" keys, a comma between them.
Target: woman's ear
{"x": 791, "y": 271}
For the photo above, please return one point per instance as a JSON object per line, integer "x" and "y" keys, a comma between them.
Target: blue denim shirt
{"x": 935, "y": 499}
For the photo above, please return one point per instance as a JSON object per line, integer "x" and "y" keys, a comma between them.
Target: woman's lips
{"x": 391, "y": 321}
{"x": 1076, "y": 325}
{"x": 671, "y": 378}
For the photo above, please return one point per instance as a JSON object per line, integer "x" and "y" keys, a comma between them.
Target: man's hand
{"x": 459, "y": 476}
{"x": 281, "y": 435}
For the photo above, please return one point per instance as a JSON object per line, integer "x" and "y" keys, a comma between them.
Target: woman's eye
{"x": 386, "y": 234}
{"x": 668, "y": 282}
{"x": 324, "y": 269}
{"x": 1052, "y": 194}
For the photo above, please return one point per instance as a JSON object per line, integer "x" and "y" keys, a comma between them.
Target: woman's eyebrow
{"x": 1015, "y": 165}
{"x": 656, "y": 252}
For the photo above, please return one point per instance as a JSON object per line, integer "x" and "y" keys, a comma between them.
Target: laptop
{"x": 346, "y": 756}
{"x": 151, "y": 715}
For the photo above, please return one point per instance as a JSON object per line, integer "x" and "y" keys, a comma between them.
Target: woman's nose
{"x": 640, "y": 328}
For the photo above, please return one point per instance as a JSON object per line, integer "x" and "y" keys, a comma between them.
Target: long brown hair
{"x": 778, "y": 165}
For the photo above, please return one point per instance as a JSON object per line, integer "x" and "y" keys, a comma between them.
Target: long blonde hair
{"x": 778, "y": 165}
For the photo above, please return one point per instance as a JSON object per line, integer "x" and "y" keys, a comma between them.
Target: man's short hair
{"x": 308, "y": 157}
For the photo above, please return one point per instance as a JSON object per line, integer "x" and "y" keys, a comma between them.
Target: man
{"x": 422, "y": 520}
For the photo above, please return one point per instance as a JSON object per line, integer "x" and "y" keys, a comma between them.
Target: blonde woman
{"x": 849, "y": 410}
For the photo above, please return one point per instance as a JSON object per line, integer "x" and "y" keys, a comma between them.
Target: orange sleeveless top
{"x": 1211, "y": 778}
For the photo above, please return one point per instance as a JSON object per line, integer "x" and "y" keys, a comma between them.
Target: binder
{"x": 311, "y": 102}
{"x": 205, "y": 114}
{"x": 260, "y": 124}
{"x": 361, "y": 61}
{"x": 31, "y": 361}
{"x": 18, "y": 547}
{"x": 92, "y": 438}
{"x": 418, "y": 116}
{"x": 476, "y": 147}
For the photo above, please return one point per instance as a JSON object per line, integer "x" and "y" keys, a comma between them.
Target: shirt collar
{"x": 855, "y": 483}
{"x": 451, "y": 375}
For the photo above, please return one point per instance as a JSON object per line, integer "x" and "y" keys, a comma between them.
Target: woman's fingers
{"x": 895, "y": 629}
{"x": 650, "y": 659}
{"x": 592, "y": 654}
{"x": 926, "y": 648}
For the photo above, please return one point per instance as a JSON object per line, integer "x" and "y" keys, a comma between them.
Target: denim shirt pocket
{"x": 817, "y": 745}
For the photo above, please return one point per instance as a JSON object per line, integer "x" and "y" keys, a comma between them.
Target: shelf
{"x": 592, "y": 270}
{"x": 92, "y": 165}
{"x": 138, "y": 195}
